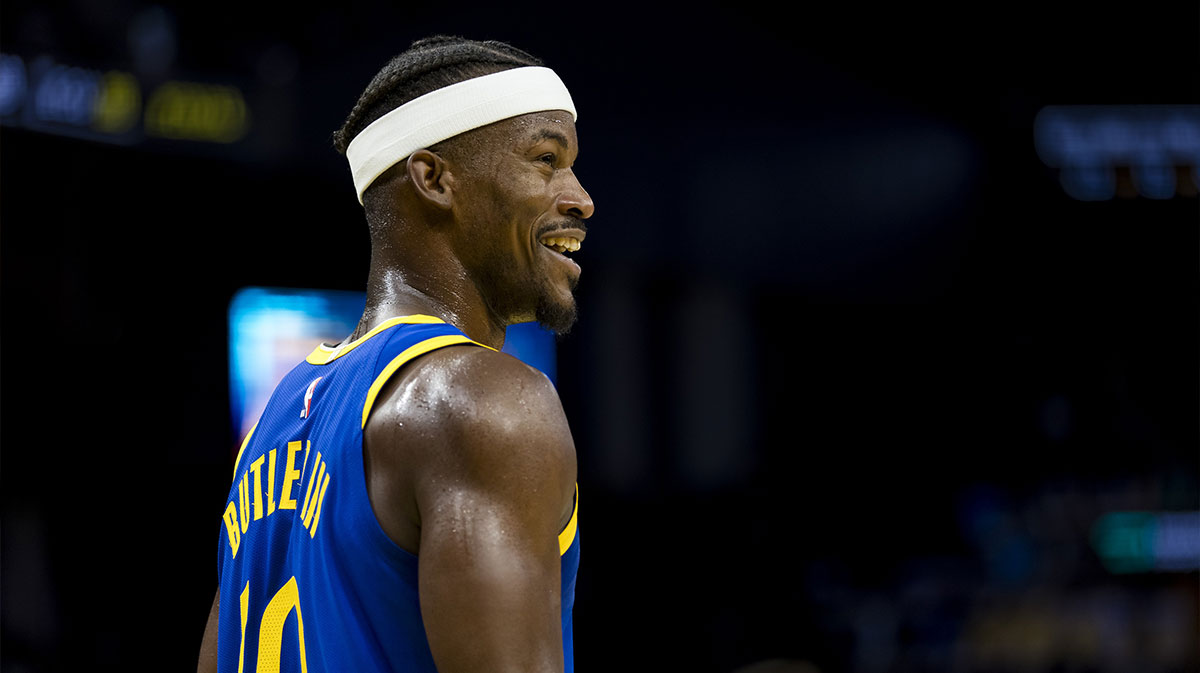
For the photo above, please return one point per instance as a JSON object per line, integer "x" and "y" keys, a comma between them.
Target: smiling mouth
{"x": 562, "y": 244}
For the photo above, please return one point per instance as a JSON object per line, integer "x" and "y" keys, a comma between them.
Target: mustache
{"x": 566, "y": 222}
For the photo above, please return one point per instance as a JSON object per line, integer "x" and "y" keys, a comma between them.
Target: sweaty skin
{"x": 471, "y": 466}
{"x": 469, "y": 459}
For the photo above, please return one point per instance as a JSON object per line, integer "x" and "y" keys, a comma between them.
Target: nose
{"x": 574, "y": 199}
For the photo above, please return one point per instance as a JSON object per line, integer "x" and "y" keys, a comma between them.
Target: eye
{"x": 549, "y": 158}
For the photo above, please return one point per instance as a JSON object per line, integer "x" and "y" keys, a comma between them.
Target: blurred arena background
{"x": 888, "y": 349}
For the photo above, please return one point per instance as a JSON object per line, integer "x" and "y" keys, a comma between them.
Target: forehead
{"x": 532, "y": 128}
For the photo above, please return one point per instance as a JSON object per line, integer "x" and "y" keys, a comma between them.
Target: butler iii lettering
{"x": 256, "y": 491}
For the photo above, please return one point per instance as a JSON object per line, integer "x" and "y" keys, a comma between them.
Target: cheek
{"x": 512, "y": 208}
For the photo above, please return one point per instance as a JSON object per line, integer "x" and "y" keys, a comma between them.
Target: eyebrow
{"x": 550, "y": 134}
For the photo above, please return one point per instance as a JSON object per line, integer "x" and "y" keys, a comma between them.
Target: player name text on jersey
{"x": 253, "y": 501}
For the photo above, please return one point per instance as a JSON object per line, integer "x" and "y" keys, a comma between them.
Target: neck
{"x": 450, "y": 296}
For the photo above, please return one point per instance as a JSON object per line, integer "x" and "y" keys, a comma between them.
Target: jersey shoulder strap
{"x": 406, "y": 343}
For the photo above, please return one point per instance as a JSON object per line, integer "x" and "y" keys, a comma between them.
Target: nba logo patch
{"x": 308, "y": 395}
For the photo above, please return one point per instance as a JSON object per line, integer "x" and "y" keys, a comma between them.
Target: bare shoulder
{"x": 469, "y": 422}
{"x": 473, "y": 397}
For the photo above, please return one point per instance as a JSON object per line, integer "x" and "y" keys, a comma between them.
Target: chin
{"x": 558, "y": 317}
{"x": 555, "y": 308}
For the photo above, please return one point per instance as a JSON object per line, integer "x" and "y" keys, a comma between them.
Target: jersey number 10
{"x": 270, "y": 630}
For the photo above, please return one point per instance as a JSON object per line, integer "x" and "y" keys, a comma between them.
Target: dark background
{"x": 853, "y": 377}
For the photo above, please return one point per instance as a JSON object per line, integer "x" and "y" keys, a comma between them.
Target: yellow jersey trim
{"x": 245, "y": 443}
{"x": 567, "y": 536}
{"x": 323, "y": 355}
{"x": 419, "y": 348}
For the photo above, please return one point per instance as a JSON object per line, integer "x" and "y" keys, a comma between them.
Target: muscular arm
{"x": 208, "y": 646}
{"x": 488, "y": 473}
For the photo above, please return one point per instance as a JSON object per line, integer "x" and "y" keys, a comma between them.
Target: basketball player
{"x": 407, "y": 501}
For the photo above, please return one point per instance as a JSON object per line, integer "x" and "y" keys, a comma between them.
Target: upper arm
{"x": 207, "y": 662}
{"x": 493, "y": 471}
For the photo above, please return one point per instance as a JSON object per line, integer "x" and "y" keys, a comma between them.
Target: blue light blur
{"x": 1088, "y": 142}
{"x": 273, "y": 329}
{"x": 1131, "y": 542}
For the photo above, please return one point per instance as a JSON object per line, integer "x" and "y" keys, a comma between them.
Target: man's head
{"x": 500, "y": 198}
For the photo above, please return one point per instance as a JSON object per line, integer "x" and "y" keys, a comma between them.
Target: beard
{"x": 531, "y": 298}
{"x": 556, "y": 315}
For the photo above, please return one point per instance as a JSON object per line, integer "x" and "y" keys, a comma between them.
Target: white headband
{"x": 449, "y": 111}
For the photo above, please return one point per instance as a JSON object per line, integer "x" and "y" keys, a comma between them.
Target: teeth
{"x": 562, "y": 244}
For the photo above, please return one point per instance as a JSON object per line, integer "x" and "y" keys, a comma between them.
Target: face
{"x": 523, "y": 213}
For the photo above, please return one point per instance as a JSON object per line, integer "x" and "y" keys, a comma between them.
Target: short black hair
{"x": 429, "y": 64}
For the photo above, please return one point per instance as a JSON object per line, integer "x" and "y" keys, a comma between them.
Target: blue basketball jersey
{"x": 308, "y": 579}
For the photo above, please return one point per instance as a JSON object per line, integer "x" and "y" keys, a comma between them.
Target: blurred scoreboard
{"x": 114, "y": 106}
{"x": 1103, "y": 152}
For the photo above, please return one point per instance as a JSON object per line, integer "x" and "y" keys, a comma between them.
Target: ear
{"x": 431, "y": 177}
